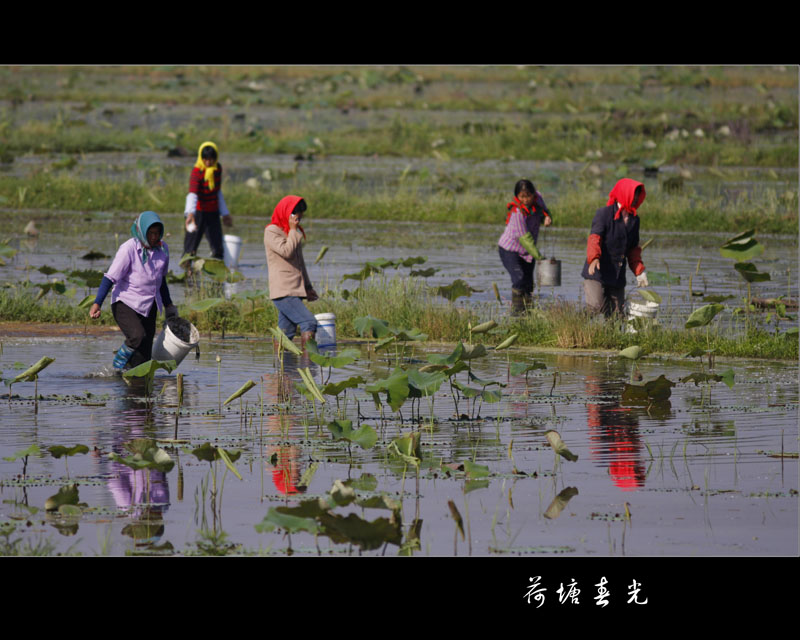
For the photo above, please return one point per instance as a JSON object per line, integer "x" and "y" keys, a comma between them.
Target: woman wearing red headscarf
{"x": 614, "y": 239}
{"x": 289, "y": 283}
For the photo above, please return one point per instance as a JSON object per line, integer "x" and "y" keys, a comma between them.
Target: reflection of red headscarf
{"x": 623, "y": 193}
{"x": 280, "y": 216}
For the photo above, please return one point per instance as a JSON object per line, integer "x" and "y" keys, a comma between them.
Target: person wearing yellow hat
{"x": 205, "y": 203}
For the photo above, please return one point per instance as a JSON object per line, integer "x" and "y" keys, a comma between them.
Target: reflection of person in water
{"x": 285, "y": 457}
{"x": 142, "y": 494}
{"x": 614, "y": 437}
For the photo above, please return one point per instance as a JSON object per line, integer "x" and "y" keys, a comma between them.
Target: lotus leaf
{"x": 505, "y": 344}
{"x": 742, "y": 247}
{"x": 341, "y": 359}
{"x": 30, "y": 374}
{"x": 395, "y": 387}
{"x": 554, "y": 438}
{"x": 632, "y": 353}
{"x": 518, "y": 368}
{"x": 455, "y": 290}
{"x": 749, "y": 272}
{"x": 335, "y": 388}
{"x": 65, "y": 495}
{"x": 58, "y": 450}
{"x": 703, "y": 315}
{"x": 204, "y": 305}
{"x": 242, "y": 390}
{"x": 484, "y": 327}
{"x": 376, "y": 328}
{"x": 284, "y": 341}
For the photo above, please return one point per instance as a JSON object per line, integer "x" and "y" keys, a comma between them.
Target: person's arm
{"x": 593, "y": 244}
{"x": 227, "y": 218}
{"x": 548, "y": 218}
{"x": 102, "y": 292}
{"x": 170, "y": 310}
{"x": 635, "y": 260}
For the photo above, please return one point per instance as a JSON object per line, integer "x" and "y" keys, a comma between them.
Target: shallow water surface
{"x": 706, "y": 475}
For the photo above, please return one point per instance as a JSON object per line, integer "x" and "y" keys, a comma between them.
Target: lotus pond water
{"x": 537, "y": 454}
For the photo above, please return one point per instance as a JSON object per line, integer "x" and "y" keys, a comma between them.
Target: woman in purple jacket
{"x": 138, "y": 276}
{"x": 517, "y": 245}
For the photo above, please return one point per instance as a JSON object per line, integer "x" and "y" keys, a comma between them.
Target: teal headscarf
{"x": 139, "y": 229}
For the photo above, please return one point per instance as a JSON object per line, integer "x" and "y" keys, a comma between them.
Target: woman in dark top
{"x": 614, "y": 240}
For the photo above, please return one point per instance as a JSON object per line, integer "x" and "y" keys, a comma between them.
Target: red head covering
{"x": 280, "y": 216}
{"x": 523, "y": 209}
{"x": 623, "y": 193}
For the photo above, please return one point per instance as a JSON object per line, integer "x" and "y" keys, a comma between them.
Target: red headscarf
{"x": 280, "y": 216}
{"x": 623, "y": 193}
{"x": 523, "y": 209}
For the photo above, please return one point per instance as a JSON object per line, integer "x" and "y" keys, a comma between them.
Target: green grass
{"x": 769, "y": 209}
{"x": 406, "y": 303}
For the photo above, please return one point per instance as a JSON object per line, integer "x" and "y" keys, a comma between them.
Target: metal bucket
{"x": 548, "y": 273}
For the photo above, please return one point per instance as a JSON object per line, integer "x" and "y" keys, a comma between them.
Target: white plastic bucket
{"x": 326, "y": 329}
{"x": 232, "y": 246}
{"x": 167, "y": 346}
{"x": 647, "y": 309}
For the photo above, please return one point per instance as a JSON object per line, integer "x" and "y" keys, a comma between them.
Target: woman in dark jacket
{"x": 614, "y": 239}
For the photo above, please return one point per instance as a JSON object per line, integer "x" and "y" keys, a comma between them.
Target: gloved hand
{"x": 530, "y": 246}
{"x": 171, "y": 311}
{"x": 641, "y": 279}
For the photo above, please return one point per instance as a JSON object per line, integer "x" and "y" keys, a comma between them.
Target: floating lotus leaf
{"x": 94, "y": 255}
{"x": 424, "y": 273}
{"x": 698, "y": 377}
{"x": 410, "y": 262}
{"x": 554, "y": 438}
{"x": 455, "y": 290}
{"x": 365, "y": 534}
{"x": 146, "y": 454}
{"x": 717, "y": 298}
{"x": 47, "y": 270}
{"x": 656, "y": 278}
{"x": 703, "y": 315}
{"x": 287, "y": 522}
{"x": 6, "y": 251}
{"x": 89, "y": 277}
{"x": 650, "y": 296}
{"x": 656, "y": 390}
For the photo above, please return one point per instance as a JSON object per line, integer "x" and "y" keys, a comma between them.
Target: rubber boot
{"x": 517, "y": 302}
{"x": 527, "y": 301}
{"x": 124, "y": 354}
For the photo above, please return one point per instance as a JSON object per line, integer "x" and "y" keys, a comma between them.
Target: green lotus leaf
{"x": 395, "y": 386}
{"x": 750, "y": 273}
{"x": 484, "y": 327}
{"x": 455, "y": 290}
{"x": 554, "y": 438}
{"x": 648, "y": 295}
{"x": 475, "y": 470}
{"x": 59, "y": 451}
{"x": 33, "y": 450}
{"x": 426, "y": 384}
{"x": 321, "y": 254}
{"x": 407, "y": 447}
{"x": 505, "y": 344}
{"x": 30, "y": 374}
{"x": 518, "y": 368}
{"x": 448, "y": 360}
{"x": 65, "y": 495}
{"x": 308, "y": 379}
{"x": 632, "y": 353}
{"x": 292, "y": 524}
{"x": 703, "y": 315}
{"x": 373, "y": 326}
{"x": 284, "y": 341}
{"x": 476, "y": 351}
{"x": 241, "y": 391}
{"x": 335, "y": 388}
{"x": 742, "y": 247}
{"x": 204, "y": 305}
{"x": 341, "y": 359}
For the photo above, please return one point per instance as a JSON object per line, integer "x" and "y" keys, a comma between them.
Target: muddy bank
{"x": 45, "y": 330}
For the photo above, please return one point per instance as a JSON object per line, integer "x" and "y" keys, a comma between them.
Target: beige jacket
{"x": 285, "y": 264}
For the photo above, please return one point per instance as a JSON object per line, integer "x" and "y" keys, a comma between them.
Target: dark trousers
{"x": 139, "y": 330}
{"x": 208, "y": 223}
{"x": 520, "y": 270}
